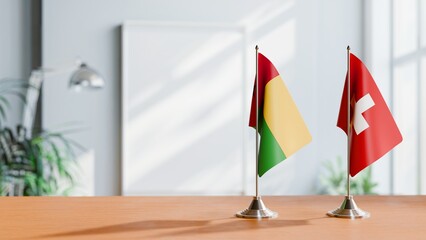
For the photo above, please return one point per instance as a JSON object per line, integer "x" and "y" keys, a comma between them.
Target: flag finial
{"x": 257, "y": 47}
{"x": 348, "y": 48}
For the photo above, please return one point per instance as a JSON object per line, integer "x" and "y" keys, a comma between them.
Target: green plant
{"x": 334, "y": 180}
{"x": 35, "y": 166}
{"x": 38, "y": 165}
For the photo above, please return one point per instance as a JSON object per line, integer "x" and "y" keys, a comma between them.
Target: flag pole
{"x": 257, "y": 208}
{"x": 348, "y": 209}
{"x": 348, "y": 149}
{"x": 257, "y": 122}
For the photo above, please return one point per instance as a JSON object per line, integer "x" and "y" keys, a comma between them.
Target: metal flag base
{"x": 348, "y": 209}
{"x": 257, "y": 209}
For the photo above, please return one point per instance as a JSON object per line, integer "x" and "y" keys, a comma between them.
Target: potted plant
{"x": 32, "y": 166}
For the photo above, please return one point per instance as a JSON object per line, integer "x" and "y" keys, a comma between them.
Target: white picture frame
{"x": 202, "y": 57}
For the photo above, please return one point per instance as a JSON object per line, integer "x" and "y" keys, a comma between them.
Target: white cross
{"x": 363, "y": 104}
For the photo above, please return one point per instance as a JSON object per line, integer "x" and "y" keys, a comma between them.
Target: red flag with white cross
{"x": 373, "y": 130}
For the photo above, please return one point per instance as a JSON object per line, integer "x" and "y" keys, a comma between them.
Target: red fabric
{"x": 267, "y": 72}
{"x": 382, "y": 134}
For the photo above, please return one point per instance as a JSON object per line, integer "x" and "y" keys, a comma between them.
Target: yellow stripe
{"x": 283, "y": 118}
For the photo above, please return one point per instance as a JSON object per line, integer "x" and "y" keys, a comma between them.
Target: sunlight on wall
{"x": 207, "y": 50}
{"x": 405, "y": 12}
{"x": 265, "y": 13}
{"x": 193, "y": 114}
{"x": 187, "y": 93}
{"x": 405, "y": 113}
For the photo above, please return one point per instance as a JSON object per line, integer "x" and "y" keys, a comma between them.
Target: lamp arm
{"x": 48, "y": 71}
{"x": 32, "y": 97}
{"x": 33, "y": 93}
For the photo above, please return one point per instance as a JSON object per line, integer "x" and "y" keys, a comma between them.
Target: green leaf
{"x": 3, "y": 113}
{"x": 4, "y": 101}
{"x": 30, "y": 180}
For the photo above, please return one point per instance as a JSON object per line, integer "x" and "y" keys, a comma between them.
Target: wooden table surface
{"x": 301, "y": 217}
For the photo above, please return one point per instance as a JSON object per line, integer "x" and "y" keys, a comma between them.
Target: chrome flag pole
{"x": 257, "y": 121}
{"x": 348, "y": 209}
{"x": 257, "y": 208}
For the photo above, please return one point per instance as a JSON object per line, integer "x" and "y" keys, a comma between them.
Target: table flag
{"x": 373, "y": 130}
{"x": 281, "y": 126}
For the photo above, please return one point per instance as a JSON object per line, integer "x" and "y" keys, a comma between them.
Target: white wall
{"x": 306, "y": 40}
{"x": 340, "y": 23}
{"x": 15, "y": 47}
{"x": 394, "y": 46}
{"x": 377, "y": 49}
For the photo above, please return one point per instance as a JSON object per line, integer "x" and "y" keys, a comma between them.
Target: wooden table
{"x": 392, "y": 217}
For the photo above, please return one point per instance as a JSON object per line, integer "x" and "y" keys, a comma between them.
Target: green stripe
{"x": 270, "y": 152}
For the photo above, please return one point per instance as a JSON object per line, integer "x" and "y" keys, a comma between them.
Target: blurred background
{"x": 172, "y": 116}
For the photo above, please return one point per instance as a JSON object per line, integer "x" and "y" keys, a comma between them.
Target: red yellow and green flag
{"x": 281, "y": 127}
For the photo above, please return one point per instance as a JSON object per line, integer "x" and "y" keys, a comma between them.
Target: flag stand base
{"x": 257, "y": 209}
{"x": 348, "y": 209}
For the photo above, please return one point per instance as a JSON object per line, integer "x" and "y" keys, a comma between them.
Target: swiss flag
{"x": 373, "y": 130}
